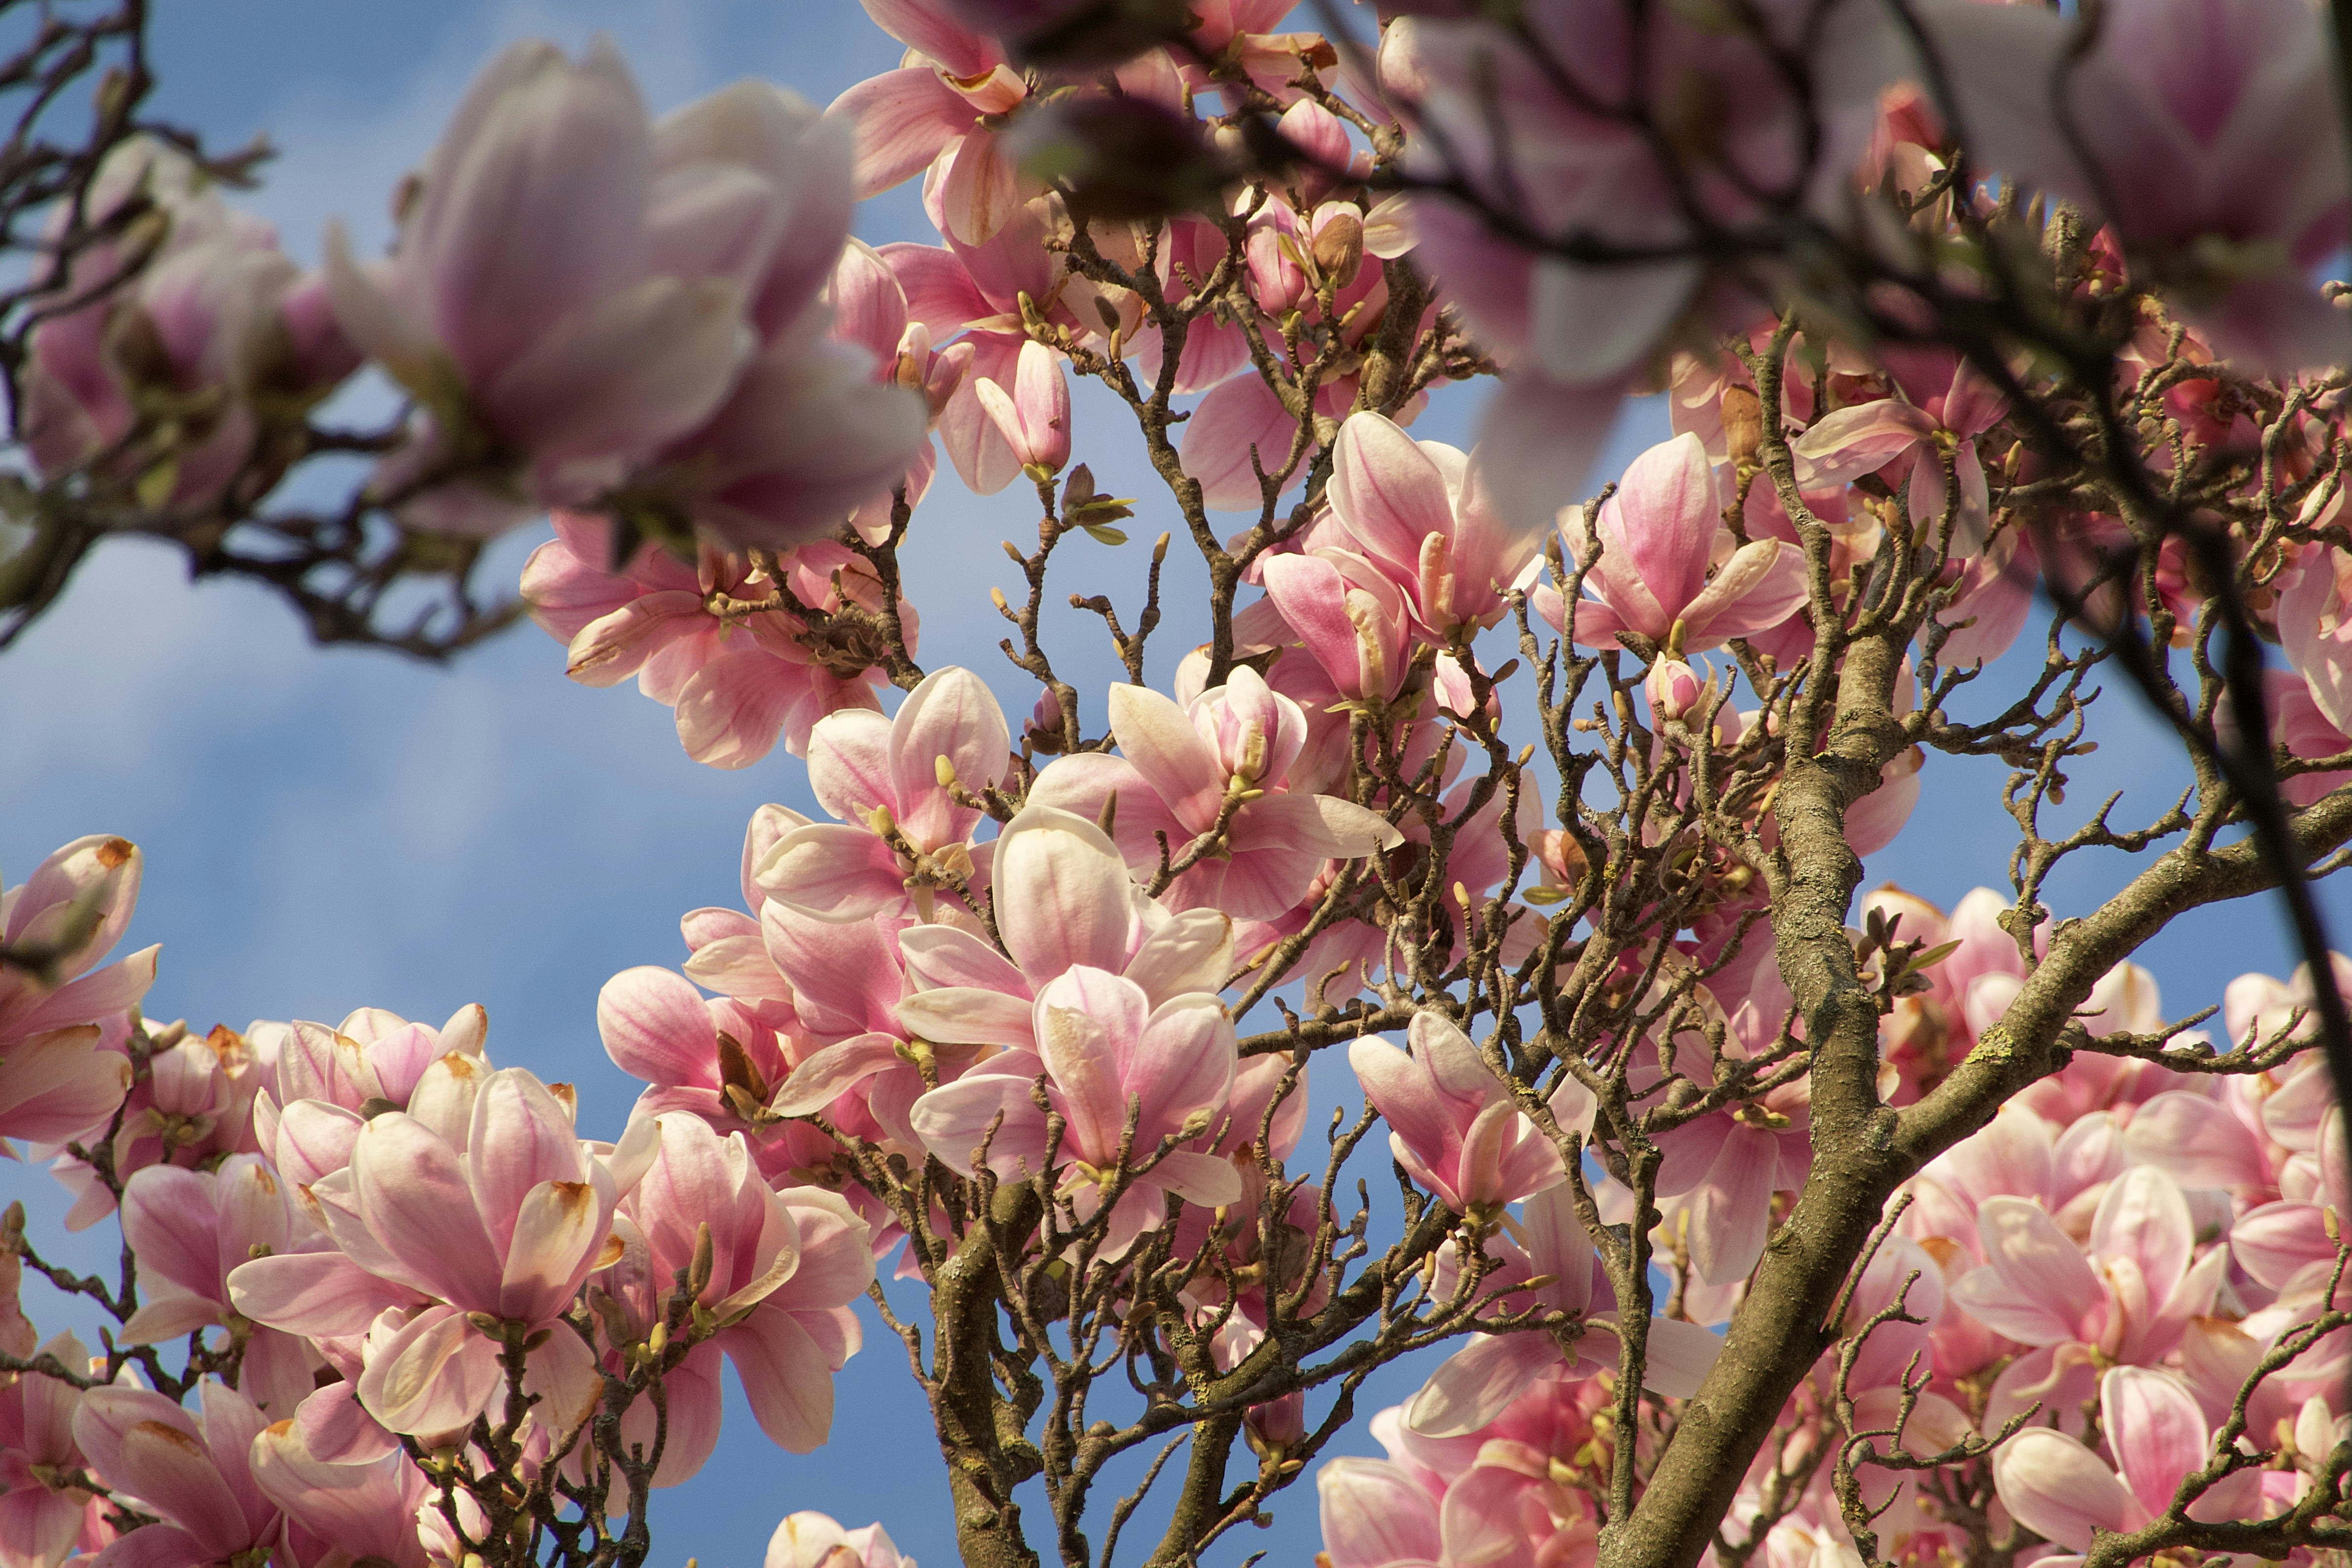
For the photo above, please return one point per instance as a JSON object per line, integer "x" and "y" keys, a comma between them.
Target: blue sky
{"x": 327, "y": 830}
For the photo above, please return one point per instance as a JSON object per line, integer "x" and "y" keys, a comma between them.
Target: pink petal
{"x": 1760, "y": 586}
{"x": 1158, "y": 740}
{"x": 168, "y": 1218}
{"x": 734, "y": 709}
{"x": 1063, "y": 897}
{"x": 314, "y": 1293}
{"x": 967, "y": 1016}
{"x": 2156, "y": 1432}
{"x": 1476, "y": 1385}
{"x": 903, "y": 119}
{"x": 1376, "y": 1514}
{"x": 1539, "y": 441}
{"x": 558, "y": 1227}
{"x": 833, "y": 1071}
{"x": 1842, "y": 447}
{"x": 1386, "y": 491}
{"x": 1663, "y": 520}
{"x": 928, "y": 28}
{"x": 2145, "y": 1217}
{"x": 434, "y": 1375}
{"x": 1731, "y": 1211}
{"x": 631, "y": 372}
{"x": 521, "y": 1136}
{"x": 834, "y": 871}
{"x": 2053, "y": 1485}
{"x": 787, "y": 1377}
{"x": 2045, "y": 1282}
{"x": 411, "y": 1191}
{"x": 952, "y": 715}
{"x": 1183, "y": 1063}
{"x": 849, "y": 765}
{"x": 1238, "y": 416}
{"x": 955, "y": 1119}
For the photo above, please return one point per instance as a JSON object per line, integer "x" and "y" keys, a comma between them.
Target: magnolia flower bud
{"x": 1673, "y": 687}
{"x": 1743, "y": 425}
{"x": 1340, "y": 247}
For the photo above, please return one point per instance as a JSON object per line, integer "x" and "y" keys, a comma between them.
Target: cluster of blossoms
{"x": 1734, "y": 1209}
{"x": 381, "y": 1253}
{"x": 2123, "y": 1283}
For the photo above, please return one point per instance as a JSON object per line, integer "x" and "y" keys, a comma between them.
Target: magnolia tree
{"x": 1728, "y": 1212}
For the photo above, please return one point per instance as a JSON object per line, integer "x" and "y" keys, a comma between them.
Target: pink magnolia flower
{"x": 870, "y": 310}
{"x": 907, "y": 779}
{"x": 1454, "y": 1125}
{"x": 41, "y": 1516}
{"x": 1907, "y": 433}
{"x": 1476, "y": 1384}
{"x": 2130, "y": 1296}
{"x": 371, "y": 1056}
{"x": 1062, "y": 899}
{"x": 713, "y": 642}
{"x": 2288, "y": 1245}
{"x": 1035, "y": 417}
{"x": 1504, "y": 1494}
{"x": 2190, "y": 130}
{"x": 1420, "y": 511}
{"x": 2055, "y": 1485}
{"x": 1657, "y": 538}
{"x": 193, "y": 1472}
{"x": 364, "y": 1510}
{"x": 227, "y": 326}
{"x": 190, "y": 1228}
{"x": 60, "y": 1075}
{"x": 1182, "y": 769}
{"x": 1102, "y": 1051}
{"x": 507, "y": 1223}
{"x": 1242, "y": 418}
{"x": 812, "y": 1540}
{"x": 195, "y": 1104}
{"x": 785, "y": 1267}
{"x": 721, "y": 1060}
{"x": 217, "y": 323}
{"x": 810, "y": 432}
{"x": 324, "y": 1084}
{"x": 940, "y": 111}
{"x": 1351, "y": 619}
{"x": 975, "y": 290}
{"x": 548, "y": 295}
{"x": 2065, "y": 1168}
{"x": 2316, "y": 632}
{"x": 1554, "y": 151}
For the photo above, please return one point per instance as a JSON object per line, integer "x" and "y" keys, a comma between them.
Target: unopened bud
{"x": 698, "y": 1273}
{"x": 1743, "y": 425}
{"x": 1339, "y": 249}
{"x": 1673, "y": 687}
{"x": 943, "y": 769}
